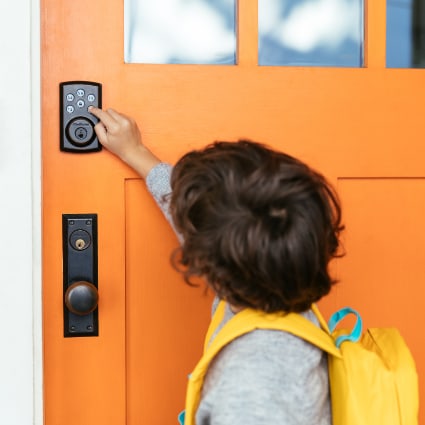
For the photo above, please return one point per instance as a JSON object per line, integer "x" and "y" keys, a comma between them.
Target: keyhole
{"x": 80, "y": 244}
{"x": 80, "y": 239}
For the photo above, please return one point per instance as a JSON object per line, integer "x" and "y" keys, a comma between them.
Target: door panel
{"x": 381, "y": 274}
{"x": 360, "y": 127}
{"x": 165, "y": 318}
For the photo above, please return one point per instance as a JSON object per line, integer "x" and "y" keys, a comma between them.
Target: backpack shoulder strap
{"x": 243, "y": 322}
{"x": 215, "y": 321}
{"x": 322, "y": 321}
{"x": 248, "y": 320}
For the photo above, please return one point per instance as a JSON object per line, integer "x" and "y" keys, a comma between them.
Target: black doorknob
{"x": 81, "y": 298}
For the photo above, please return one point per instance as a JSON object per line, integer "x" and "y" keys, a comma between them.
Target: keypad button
{"x": 80, "y": 103}
{"x": 70, "y": 109}
{"x": 91, "y": 98}
{"x": 69, "y": 97}
{"x": 80, "y": 92}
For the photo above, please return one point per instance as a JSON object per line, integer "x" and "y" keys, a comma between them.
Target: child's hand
{"x": 120, "y": 135}
{"x": 117, "y": 132}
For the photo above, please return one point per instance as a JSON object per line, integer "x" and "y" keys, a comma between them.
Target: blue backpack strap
{"x": 180, "y": 418}
{"x": 337, "y": 317}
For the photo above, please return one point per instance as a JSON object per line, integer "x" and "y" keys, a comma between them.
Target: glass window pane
{"x": 180, "y": 31}
{"x": 406, "y": 33}
{"x": 311, "y": 32}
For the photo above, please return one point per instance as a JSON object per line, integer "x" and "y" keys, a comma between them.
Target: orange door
{"x": 361, "y": 127}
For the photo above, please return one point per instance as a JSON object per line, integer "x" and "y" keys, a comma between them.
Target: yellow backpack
{"x": 373, "y": 379}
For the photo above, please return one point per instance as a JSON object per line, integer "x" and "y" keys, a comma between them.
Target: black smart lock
{"x": 76, "y": 122}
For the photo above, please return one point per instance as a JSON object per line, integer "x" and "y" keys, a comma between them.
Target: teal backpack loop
{"x": 181, "y": 416}
{"x": 337, "y": 317}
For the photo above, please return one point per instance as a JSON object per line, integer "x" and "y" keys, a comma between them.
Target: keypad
{"x": 77, "y": 133}
{"x": 78, "y": 100}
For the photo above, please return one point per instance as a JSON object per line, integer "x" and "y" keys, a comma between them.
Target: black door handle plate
{"x": 80, "y": 276}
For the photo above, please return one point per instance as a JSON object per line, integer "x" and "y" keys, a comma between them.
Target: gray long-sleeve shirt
{"x": 263, "y": 377}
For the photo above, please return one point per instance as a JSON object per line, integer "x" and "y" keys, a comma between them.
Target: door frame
{"x": 21, "y": 362}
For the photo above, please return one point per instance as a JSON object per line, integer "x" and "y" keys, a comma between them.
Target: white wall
{"x": 20, "y": 269}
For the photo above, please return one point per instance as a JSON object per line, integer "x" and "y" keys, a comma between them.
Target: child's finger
{"x": 115, "y": 115}
{"x": 104, "y": 116}
{"x": 101, "y": 132}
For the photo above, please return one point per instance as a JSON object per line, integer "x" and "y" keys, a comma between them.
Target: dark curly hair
{"x": 259, "y": 225}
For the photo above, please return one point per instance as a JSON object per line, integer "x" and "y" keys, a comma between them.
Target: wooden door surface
{"x": 361, "y": 127}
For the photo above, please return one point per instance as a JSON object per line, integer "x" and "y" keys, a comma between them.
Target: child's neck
{"x": 235, "y": 309}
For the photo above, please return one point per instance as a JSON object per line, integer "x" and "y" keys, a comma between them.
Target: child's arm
{"x": 120, "y": 135}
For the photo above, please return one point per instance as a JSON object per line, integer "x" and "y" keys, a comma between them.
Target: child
{"x": 260, "y": 227}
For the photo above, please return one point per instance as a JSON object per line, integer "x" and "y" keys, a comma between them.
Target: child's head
{"x": 258, "y": 225}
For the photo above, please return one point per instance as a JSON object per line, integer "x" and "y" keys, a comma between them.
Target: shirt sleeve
{"x": 158, "y": 184}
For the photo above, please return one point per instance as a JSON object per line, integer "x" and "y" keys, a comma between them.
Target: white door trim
{"x": 21, "y": 366}
{"x": 36, "y": 178}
